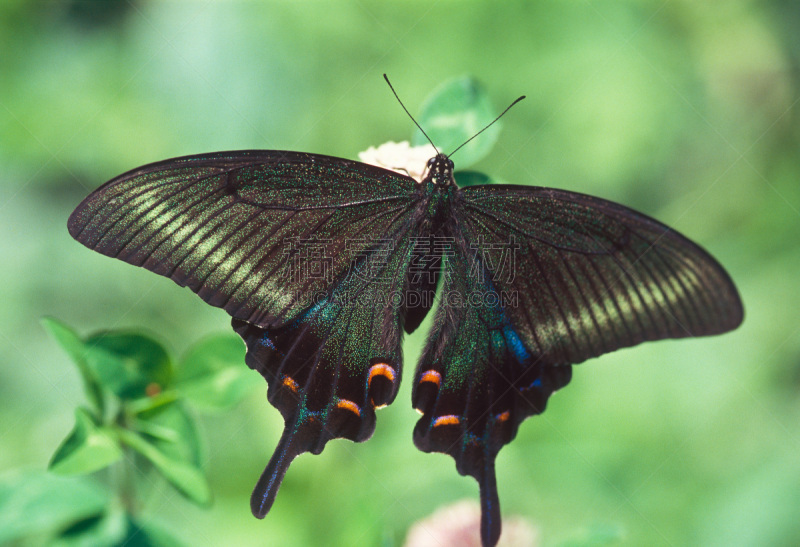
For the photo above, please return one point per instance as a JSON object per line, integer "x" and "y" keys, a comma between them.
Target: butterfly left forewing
{"x": 243, "y": 228}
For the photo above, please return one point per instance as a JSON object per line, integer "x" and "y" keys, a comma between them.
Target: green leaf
{"x": 151, "y": 403}
{"x": 111, "y": 527}
{"x": 115, "y": 527}
{"x": 36, "y": 502}
{"x": 75, "y": 348}
{"x": 186, "y": 477}
{"x": 213, "y": 375}
{"x": 455, "y": 112}
{"x": 131, "y": 364}
{"x": 156, "y": 431}
{"x": 154, "y": 534}
{"x": 87, "y": 448}
{"x": 472, "y": 178}
{"x": 173, "y": 431}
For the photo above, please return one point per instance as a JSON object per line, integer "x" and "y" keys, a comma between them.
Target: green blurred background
{"x": 685, "y": 110}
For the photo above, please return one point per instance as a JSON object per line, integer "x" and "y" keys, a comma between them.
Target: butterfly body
{"x": 323, "y": 262}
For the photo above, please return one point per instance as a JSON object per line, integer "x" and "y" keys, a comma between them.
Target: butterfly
{"x": 324, "y": 262}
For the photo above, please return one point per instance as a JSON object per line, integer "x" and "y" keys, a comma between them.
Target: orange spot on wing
{"x": 290, "y": 383}
{"x": 503, "y": 416}
{"x": 431, "y": 376}
{"x": 349, "y": 405}
{"x": 381, "y": 369}
{"x": 450, "y": 419}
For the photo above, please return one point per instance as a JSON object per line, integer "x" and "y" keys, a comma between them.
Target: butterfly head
{"x": 440, "y": 171}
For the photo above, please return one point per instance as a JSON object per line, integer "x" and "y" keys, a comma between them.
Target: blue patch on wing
{"x": 267, "y": 341}
{"x": 515, "y": 344}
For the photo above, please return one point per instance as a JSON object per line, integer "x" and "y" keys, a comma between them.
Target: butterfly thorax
{"x": 439, "y": 186}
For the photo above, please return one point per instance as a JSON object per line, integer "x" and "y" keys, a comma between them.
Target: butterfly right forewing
{"x": 593, "y": 276}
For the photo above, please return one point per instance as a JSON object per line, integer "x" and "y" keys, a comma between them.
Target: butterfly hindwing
{"x": 338, "y": 361}
{"x": 231, "y": 225}
{"x": 476, "y": 381}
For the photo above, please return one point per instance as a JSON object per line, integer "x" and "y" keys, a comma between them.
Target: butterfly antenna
{"x": 385, "y": 77}
{"x": 485, "y": 128}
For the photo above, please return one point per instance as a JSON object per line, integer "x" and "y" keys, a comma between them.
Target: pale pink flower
{"x": 400, "y": 157}
{"x": 459, "y": 525}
